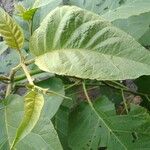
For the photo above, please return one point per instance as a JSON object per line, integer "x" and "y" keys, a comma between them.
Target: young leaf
{"x": 11, "y": 31}
{"x": 33, "y": 106}
{"x": 43, "y": 135}
{"x": 28, "y": 14}
{"x": 106, "y": 129}
{"x": 75, "y": 42}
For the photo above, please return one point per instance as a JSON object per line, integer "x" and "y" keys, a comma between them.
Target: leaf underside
{"x": 75, "y": 42}
{"x": 33, "y": 106}
{"x": 42, "y": 136}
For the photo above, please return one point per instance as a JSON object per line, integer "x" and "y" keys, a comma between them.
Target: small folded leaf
{"x": 75, "y": 42}
{"x": 10, "y": 31}
{"x": 28, "y": 14}
{"x": 33, "y": 106}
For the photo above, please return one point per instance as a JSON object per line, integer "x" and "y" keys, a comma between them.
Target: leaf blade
{"x": 11, "y": 31}
{"x": 119, "y": 131}
{"x": 44, "y": 135}
{"x": 33, "y": 105}
{"x": 84, "y": 45}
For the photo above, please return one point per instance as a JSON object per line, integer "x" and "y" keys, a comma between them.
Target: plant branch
{"x": 49, "y": 92}
{"x": 23, "y": 76}
{"x": 11, "y": 78}
{"x": 124, "y": 101}
{"x": 30, "y": 27}
{"x": 25, "y": 69}
{"x": 125, "y": 89}
{"x": 4, "y": 79}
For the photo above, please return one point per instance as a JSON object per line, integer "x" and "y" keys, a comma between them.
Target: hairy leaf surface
{"x": 11, "y": 31}
{"x": 42, "y": 136}
{"x": 33, "y": 106}
{"x": 75, "y": 42}
{"x": 106, "y": 129}
{"x": 129, "y": 15}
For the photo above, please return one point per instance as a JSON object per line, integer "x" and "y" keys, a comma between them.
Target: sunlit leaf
{"x": 75, "y": 42}
{"x": 43, "y": 135}
{"x": 33, "y": 106}
{"x": 11, "y": 31}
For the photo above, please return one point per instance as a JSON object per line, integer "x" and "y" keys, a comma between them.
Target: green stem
{"x": 25, "y": 69}
{"x": 55, "y": 93}
{"x": 146, "y": 96}
{"x": 124, "y": 101}
{"x": 119, "y": 84}
{"x": 11, "y": 78}
{"x": 72, "y": 85}
{"x": 30, "y": 27}
{"x": 125, "y": 89}
{"x": 23, "y": 77}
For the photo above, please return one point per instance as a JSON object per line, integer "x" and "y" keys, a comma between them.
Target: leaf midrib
{"x": 97, "y": 52}
{"x": 10, "y": 30}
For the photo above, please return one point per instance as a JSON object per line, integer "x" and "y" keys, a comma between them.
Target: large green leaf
{"x": 43, "y": 11}
{"x": 130, "y": 15}
{"x": 98, "y": 6}
{"x": 43, "y": 135}
{"x": 53, "y": 101}
{"x": 61, "y": 123}
{"x": 34, "y": 102}
{"x": 106, "y": 129}
{"x": 145, "y": 40}
{"x": 75, "y": 42}
{"x": 114, "y": 9}
{"x": 131, "y": 8}
{"x": 136, "y": 26}
{"x": 10, "y": 30}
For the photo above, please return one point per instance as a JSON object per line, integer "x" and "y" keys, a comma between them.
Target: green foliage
{"x": 129, "y": 15}
{"x": 33, "y": 105}
{"x": 3, "y": 47}
{"x": 9, "y": 61}
{"x": 138, "y": 7}
{"x": 41, "y": 3}
{"x": 103, "y": 128}
{"x": 90, "y": 43}
{"x": 10, "y": 30}
{"x": 43, "y": 135}
{"x": 61, "y": 105}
